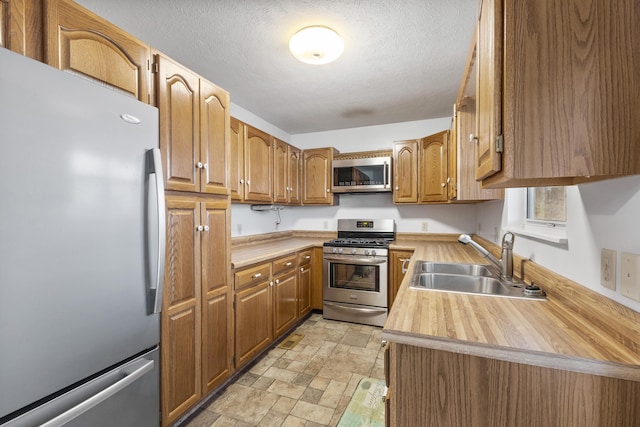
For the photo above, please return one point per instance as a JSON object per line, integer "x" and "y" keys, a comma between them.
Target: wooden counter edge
{"x": 510, "y": 354}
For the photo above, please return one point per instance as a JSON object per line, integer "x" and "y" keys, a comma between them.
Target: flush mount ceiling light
{"x": 316, "y": 45}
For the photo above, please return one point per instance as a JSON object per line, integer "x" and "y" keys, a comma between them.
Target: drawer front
{"x": 304, "y": 257}
{"x": 249, "y": 275}
{"x": 285, "y": 263}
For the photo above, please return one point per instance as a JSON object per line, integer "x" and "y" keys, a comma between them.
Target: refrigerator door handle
{"x": 84, "y": 406}
{"x": 156, "y": 279}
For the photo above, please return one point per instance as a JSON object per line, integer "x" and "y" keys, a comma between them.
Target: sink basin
{"x": 456, "y": 268}
{"x": 476, "y": 285}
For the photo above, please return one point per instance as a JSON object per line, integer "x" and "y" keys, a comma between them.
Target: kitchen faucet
{"x": 505, "y": 264}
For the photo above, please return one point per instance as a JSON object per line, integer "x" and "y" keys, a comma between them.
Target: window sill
{"x": 547, "y": 237}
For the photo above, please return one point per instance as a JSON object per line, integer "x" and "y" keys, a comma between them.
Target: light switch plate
{"x": 608, "y": 268}
{"x": 630, "y": 275}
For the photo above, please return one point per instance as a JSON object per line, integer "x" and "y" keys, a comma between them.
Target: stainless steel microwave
{"x": 371, "y": 174}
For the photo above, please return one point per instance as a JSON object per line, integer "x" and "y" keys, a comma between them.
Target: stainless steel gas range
{"x": 355, "y": 268}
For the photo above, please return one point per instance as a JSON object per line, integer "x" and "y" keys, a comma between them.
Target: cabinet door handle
{"x": 271, "y": 283}
{"x": 307, "y": 257}
{"x": 397, "y": 188}
{"x": 444, "y": 184}
{"x": 404, "y": 265}
{"x": 473, "y": 138}
{"x": 206, "y": 166}
{"x": 241, "y": 181}
{"x": 199, "y": 165}
{"x": 248, "y": 182}
{"x": 287, "y": 264}
{"x": 301, "y": 270}
{"x": 199, "y": 228}
{"x": 277, "y": 281}
{"x": 255, "y": 276}
{"x": 328, "y": 190}
{"x": 206, "y": 228}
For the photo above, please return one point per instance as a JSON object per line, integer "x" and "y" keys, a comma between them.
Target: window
{"x": 538, "y": 212}
{"x": 547, "y": 205}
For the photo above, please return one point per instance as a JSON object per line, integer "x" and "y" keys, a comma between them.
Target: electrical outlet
{"x": 630, "y": 275}
{"x": 608, "y": 268}
{"x": 425, "y": 226}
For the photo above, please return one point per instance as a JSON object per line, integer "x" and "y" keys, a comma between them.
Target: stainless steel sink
{"x": 456, "y": 268}
{"x": 477, "y": 279}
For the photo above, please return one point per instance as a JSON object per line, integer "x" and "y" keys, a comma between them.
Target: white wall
{"x": 412, "y": 218}
{"x": 251, "y": 119}
{"x": 604, "y": 214}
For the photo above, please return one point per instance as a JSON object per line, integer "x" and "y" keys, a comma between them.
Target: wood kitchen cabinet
{"x": 285, "y": 293}
{"x": 421, "y": 169}
{"x": 21, "y": 27}
{"x": 258, "y": 166}
{"x": 286, "y": 173}
{"x": 433, "y": 387}
{"x": 81, "y": 42}
{"x": 237, "y": 136}
{"x": 398, "y": 260}
{"x": 194, "y": 129}
{"x": 253, "y": 312}
{"x": 433, "y": 168}
{"x": 196, "y": 321}
{"x": 317, "y": 281}
{"x": 305, "y": 278}
{"x": 316, "y": 164}
{"x": 295, "y": 175}
{"x": 557, "y": 94}
{"x": 405, "y": 171}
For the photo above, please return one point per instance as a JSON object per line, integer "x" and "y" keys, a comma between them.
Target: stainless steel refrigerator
{"x": 82, "y": 241}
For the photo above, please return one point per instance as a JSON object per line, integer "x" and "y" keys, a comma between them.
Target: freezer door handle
{"x": 84, "y": 406}
{"x": 155, "y": 216}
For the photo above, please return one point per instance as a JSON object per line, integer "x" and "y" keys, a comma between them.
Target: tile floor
{"x": 309, "y": 385}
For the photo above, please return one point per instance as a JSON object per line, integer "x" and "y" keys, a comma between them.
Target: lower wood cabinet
{"x": 437, "y": 388}
{"x": 397, "y": 260}
{"x": 196, "y": 322}
{"x": 270, "y": 297}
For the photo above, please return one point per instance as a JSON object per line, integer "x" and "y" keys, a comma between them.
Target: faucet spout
{"x": 505, "y": 265}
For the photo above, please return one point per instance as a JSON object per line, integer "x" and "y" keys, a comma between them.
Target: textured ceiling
{"x": 403, "y": 59}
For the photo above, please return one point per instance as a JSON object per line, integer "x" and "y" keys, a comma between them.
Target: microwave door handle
{"x": 385, "y": 170}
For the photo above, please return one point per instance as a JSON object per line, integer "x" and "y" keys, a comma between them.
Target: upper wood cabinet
{"x": 237, "y": 137}
{"x": 559, "y": 82}
{"x": 258, "y": 166}
{"x": 280, "y": 171}
{"x": 194, "y": 129}
{"x": 405, "y": 171}
{"x": 316, "y": 164}
{"x": 21, "y": 27}
{"x": 78, "y": 41}
{"x": 295, "y": 175}
{"x": 433, "y": 164}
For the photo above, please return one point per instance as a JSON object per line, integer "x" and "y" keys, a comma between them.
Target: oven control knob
{"x": 373, "y": 253}
{"x": 334, "y": 250}
{"x": 366, "y": 252}
{"x": 340, "y": 250}
{"x": 353, "y": 251}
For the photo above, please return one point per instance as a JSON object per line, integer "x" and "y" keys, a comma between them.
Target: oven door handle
{"x": 372, "y": 261}
{"x": 352, "y": 308}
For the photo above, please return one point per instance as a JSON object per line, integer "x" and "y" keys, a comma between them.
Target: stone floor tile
{"x": 312, "y": 412}
{"x": 273, "y": 419}
{"x": 263, "y": 383}
{"x": 224, "y": 421}
{"x": 247, "y": 379}
{"x": 311, "y": 395}
{"x": 296, "y": 365}
{"x": 280, "y": 374}
{"x": 234, "y": 403}
{"x": 284, "y": 404}
{"x": 320, "y": 383}
{"x": 263, "y": 364}
{"x": 303, "y": 379}
{"x": 204, "y": 419}
{"x": 287, "y": 389}
{"x": 292, "y": 421}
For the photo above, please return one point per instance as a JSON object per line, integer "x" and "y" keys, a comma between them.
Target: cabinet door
{"x": 489, "y": 89}
{"x": 317, "y": 176}
{"x": 285, "y": 301}
{"x": 280, "y": 171}
{"x": 180, "y": 324}
{"x": 317, "y": 278}
{"x": 214, "y": 138}
{"x": 254, "y": 321}
{"x": 217, "y": 297}
{"x": 452, "y": 156}
{"x": 295, "y": 171}
{"x": 433, "y": 164}
{"x": 258, "y": 166}
{"x": 237, "y": 136}
{"x": 21, "y": 27}
{"x": 81, "y": 42}
{"x": 396, "y": 261}
{"x": 304, "y": 290}
{"x": 405, "y": 176}
{"x": 179, "y": 102}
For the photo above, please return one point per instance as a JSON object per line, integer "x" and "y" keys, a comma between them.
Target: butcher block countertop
{"x": 574, "y": 329}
